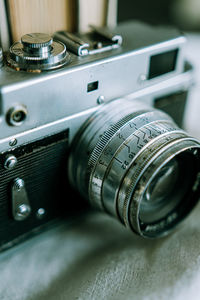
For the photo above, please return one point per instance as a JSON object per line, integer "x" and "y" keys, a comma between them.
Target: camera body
{"x": 41, "y": 110}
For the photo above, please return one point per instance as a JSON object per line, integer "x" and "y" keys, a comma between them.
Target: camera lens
{"x": 133, "y": 162}
{"x": 167, "y": 188}
{"x": 159, "y": 196}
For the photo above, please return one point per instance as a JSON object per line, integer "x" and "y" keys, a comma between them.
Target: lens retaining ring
{"x": 164, "y": 226}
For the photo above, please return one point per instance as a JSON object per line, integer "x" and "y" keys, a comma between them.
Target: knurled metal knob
{"x": 36, "y": 40}
{"x": 37, "y": 52}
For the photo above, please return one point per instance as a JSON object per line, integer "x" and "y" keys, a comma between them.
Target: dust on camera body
{"x": 78, "y": 112}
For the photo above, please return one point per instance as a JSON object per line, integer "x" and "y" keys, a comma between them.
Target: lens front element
{"x": 133, "y": 162}
{"x": 161, "y": 194}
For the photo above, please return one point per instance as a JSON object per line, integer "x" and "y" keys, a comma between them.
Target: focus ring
{"x": 137, "y": 169}
{"x": 122, "y": 138}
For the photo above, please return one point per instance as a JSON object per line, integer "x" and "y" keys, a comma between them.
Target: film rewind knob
{"x": 36, "y": 40}
{"x": 37, "y": 52}
{"x": 37, "y": 43}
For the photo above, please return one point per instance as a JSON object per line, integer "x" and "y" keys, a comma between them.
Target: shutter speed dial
{"x": 37, "y": 52}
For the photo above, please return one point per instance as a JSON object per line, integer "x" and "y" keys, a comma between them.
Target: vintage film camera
{"x": 78, "y": 112}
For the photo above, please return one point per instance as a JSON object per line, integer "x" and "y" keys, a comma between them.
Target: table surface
{"x": 96, "y": 258}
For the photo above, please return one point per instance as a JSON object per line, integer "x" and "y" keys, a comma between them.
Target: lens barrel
{"x": 133, "y": 162}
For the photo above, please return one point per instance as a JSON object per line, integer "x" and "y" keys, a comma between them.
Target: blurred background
{"x": 18, "y": 17}
{"x": 184, "y": 14}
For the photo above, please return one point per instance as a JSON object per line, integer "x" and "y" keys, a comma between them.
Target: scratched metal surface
{"x": 96, "y": 258}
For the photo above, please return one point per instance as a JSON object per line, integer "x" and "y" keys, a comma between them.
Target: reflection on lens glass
{"x": 167, "y": 189}
{"x": 163, "y": 183}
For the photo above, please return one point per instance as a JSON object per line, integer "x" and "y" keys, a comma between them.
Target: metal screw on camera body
{"x": 20, "y": 204}
{"x": 100, "y": 99}
{"x": 41, "y": 213}
{"x": 13, "y": 142}
{"x": 18, "y": 184}
{"x": 10, "y": 162}
{"x": 23, "y": 211}
{"x": 142, "y": 78}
